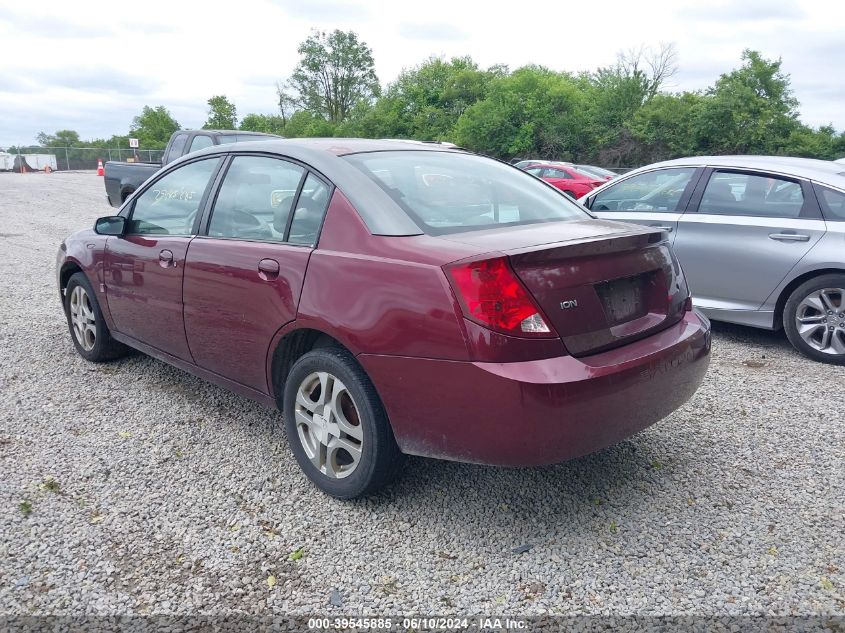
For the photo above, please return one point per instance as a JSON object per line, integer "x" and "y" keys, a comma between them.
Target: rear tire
{"x": 126, "y": 194}
{"x": 88, "y": 329}
{"x": 814, "y": 318}
{"x": 337, "y": 427}
{"x": 571, "y": 195}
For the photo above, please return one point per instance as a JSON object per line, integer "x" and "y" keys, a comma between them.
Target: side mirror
{"x": 110, "y": 225}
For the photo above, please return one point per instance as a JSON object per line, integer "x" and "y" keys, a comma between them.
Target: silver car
{"x": 761, "y": 238}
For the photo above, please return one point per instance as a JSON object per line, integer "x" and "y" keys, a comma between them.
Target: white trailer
{"x": 30, "y": 162}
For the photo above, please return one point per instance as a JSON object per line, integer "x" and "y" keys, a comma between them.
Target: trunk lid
{"x": 600, "y": 284}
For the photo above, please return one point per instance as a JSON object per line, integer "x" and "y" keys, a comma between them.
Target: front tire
{"x": 814, "y": 318}
{"x": 88, "y": 329}
{"x": 337, "y": 427}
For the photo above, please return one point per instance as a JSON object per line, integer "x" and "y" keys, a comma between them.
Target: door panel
{"x": 735, "y": 262}
{"x": 743, "y": 234}
{"x": 143, "y": 277}
{"x": 144, "y": 267}
{"x": 237, "y": 295}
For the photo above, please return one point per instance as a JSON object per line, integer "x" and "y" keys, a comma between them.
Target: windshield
{"x": 446, "y": 192}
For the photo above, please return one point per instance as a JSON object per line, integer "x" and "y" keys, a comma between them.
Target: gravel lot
{"x": 135, "y": 488}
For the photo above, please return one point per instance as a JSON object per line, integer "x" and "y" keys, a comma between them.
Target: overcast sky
{"x": 91, "y": 66}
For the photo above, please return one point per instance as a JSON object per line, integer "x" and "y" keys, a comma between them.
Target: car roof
{"x": 808, "y": 168}
{"x": 345, "y": 146}
{"x": 378, "y": 210}
{"x": 232, "y": 132}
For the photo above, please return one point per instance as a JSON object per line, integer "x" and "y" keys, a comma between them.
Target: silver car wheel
{"x": 328, "y": 425}
{"x": 82, "y": 318}
{"x": 820, "y": 319}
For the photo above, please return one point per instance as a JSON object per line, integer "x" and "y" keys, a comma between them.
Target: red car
{"x": 566, "y": 178}
{"x": 391, "y": 298}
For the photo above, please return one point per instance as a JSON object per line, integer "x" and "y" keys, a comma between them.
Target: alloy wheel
{"x": 328, "y": 425}
{"x": 82, "y": 318}
{"x": 820, "y": 320}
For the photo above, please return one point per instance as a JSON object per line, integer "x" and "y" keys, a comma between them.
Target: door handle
{"x": 268, "y": 269}
{"x": 668, "y": 229}
{"x": 789, "y": 237}
{"x": 165, "y": 259}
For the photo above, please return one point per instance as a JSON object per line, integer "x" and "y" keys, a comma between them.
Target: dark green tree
{"x": 267, "y": 123}
{"x": 222, "y": 114}
{"x": 62, "y": 138}
{"x": 750, "y": 110}
{"x": 531, "y": 112}
{"x": 434, "y": 95}
{"x": 153, "y": 127}
{"x": 665, "y": 127}
{"x": 335, "y": 72}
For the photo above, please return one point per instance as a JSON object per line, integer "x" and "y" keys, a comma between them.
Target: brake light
{"x": 491, "y": 295}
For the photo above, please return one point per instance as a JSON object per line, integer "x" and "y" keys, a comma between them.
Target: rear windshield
{"x": 447, "y": 192}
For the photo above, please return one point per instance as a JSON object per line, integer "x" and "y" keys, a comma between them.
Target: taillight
{"x": 598, "y": 183}
{"x": 491, "y": 295}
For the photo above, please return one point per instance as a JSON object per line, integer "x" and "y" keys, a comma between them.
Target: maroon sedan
{"x": 392, "y": 297}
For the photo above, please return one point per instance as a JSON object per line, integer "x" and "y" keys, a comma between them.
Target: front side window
{"x": 735, "y": 193}
{"x": 447, "y": 192}
{"x": 200, "y": 142}
{"x": 833, "y": 203}
{"x": 659, "y": 190}
{"x": 169, "y": 206}
{"x": 255, "y": 199}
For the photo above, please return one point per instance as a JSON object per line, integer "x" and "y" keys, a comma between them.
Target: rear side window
{"x": 200, "y": 142}
{"x": 733, "y": 193}
{"x": 246, "y": 138}
{"x": 658, "y": 190}
{"x": 833, "y": 203}
{"x": 255, "y": 199}
{"x": 557, "y": 173}
{"x": 448, "y": 192}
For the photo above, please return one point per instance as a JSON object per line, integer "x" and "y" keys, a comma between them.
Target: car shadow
{"x": 774, "y": 339}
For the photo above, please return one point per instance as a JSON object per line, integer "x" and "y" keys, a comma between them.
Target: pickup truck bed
{"x": 122, "y": 179}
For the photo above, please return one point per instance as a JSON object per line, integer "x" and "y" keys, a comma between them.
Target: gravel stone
{"x": 176, "y": 497}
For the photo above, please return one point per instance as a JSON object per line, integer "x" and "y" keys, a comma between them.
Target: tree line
{"x": 621, "y": 115}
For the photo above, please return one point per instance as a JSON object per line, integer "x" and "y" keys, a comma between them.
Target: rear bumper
{"x": 544, "y": 411}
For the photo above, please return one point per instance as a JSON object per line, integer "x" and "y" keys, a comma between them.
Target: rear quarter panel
{"x": 381, "y": 295}
{"x": 828, "y": 254}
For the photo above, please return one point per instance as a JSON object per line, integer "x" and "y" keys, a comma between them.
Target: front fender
{"x": 84, "y": 251}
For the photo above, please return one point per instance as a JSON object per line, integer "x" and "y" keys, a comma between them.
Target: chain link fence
{"x": 35, "y": 158}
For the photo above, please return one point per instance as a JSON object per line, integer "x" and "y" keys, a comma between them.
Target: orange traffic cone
{"x": 100, "y": 170}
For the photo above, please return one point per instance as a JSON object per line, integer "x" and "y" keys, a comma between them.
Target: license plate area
{"x": 623, "y": 299}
